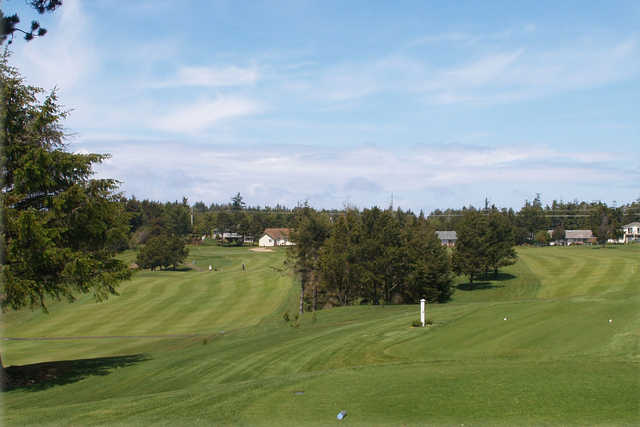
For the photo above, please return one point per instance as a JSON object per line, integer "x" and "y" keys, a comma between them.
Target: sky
{"x": 429, "y": 104}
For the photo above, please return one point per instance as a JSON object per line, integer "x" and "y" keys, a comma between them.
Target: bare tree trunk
{"x": 303, "y": 280}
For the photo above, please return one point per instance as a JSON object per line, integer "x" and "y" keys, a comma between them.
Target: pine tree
{"x": 311, "y": 231}
{"x": 430, "y": 271}
{"x": 499, "y": 241}
{"x": 60, "y": 228}
{"x": 470, "y": 253}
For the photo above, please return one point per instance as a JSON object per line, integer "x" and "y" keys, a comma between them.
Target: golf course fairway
{"x": 553, "y": 340}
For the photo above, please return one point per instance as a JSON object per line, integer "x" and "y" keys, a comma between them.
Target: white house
{"x": 631, "y": 232}
{"x": 276, "y": 237}
{"x": 266, "y": 240}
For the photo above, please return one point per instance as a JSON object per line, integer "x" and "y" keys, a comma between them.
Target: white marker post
{"x": 422, "y": 301}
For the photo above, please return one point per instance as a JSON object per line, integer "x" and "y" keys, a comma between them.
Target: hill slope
{"x": 556, "y": 359}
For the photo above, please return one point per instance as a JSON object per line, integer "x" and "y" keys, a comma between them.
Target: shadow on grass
{"x": 500, "y": 277}
{"x": 40, "y": 376}
{"x": 477, "y": 286}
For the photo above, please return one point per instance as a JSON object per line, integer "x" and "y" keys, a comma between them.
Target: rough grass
{"x": 556, "y": 359}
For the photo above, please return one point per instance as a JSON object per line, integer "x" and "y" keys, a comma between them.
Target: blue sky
{"x": 440, "y": 104}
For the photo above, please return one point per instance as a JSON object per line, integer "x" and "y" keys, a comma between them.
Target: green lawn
{"x": 556, "y": 359}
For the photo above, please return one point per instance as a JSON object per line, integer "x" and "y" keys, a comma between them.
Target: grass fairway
{"x": 556, "y": 359}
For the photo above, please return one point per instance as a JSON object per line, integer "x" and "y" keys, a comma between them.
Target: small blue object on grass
{"x": 342, "y": 414}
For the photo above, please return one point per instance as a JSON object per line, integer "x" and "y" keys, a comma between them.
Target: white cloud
{"x": 487, "y": 77}
{"x": 226, "y": 76}
{"x": 464, "y": 38}
{"x": 518, "y": 75}
{"x": 481, "y": 72}
{"x": 64, "y": 57}
{"x": 423, "y": 177}
{"x": 204, "y": 114}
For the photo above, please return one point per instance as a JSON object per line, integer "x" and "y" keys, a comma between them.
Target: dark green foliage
{"x": 485, "y": 242}
{"x": 429, "y": 271}
{"x": 558, "y": 233}
{"x": 530, "y": 219}
{"x": 162, "y": 251}
{"x": 9, "y": 24}
{"x": 500, "y": 241}
{"x": 61, "y": 229}
{"x": 311, "y": 230}
{"x": 150, "y": 218}
{"x": 237, "y": 203}
{"x": 384, "y": 256}
{"x": 338, "y": 269}
{"x": 606, "y": 223}
{"x": 178, "y": 218}
{"x": 542, "y": 238}
{"x": 470, "y": 253}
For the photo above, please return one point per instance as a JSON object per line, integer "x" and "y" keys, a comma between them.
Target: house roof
{"x": 632, "y": 224}
{"x": 578, "y": 234}
{"x": 278, "y": 233}
{"x": 231, "y": 235}
{"x": 447, "y": 235}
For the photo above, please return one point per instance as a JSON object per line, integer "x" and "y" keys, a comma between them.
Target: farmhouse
{"x": 276, "y": 237}
{"x": 631, "y": 232}
{"x": 579, "y": 237}
{"x": 448, "y": 238}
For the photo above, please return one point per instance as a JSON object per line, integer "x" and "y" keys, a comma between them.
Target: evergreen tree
{"x": 542, "y": 238}
{"x": 429, "y": 275}
{"x": 470, "y": 253}
{"x": 162, "y": 251}
{"x": 558, "y": 233}
{"x": 530, "y": 220}
{"x": 311, "y": 231}
{"x": 9, "y": 24}
{"x": 499, "y": 241}
{"x": 60, "y": 228}
{"x": 334, "y": 262}
{"x": 152, "y": 254}
{"x": 237, "y": 202}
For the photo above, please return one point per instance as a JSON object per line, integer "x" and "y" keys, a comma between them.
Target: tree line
{"x": 377, "y": 256}
{"x": 485, "y": 243}
{"x": 151, "y": 218}
{"x": 532, "y": 221}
